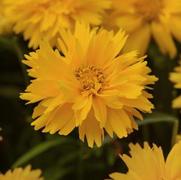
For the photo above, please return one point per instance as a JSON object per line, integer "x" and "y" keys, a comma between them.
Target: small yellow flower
{"x": 90, "y": 85}
{"x": 148, "y": 164}
{"x": 22, "y": 174}
{"x": 5, "y": 25}
{"x": 38, "y": 19}
{"x": 146, "y": 19}
{"x": 175, "y": 77}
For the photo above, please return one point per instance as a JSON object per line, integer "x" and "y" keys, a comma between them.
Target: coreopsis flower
{"x": 22, "y": 174}
{"x": 148, "y": 163}
{"x": 175, "y": 77}
{"x": 37, "y": 19}
{"x": 5, "y": 24}
{"x": 148, "y": 19}
{"x": 89, "y": 85}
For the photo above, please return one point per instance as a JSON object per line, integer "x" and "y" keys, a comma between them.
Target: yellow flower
{"x": 146, "y": 19}
{"x": 5, "y": 25}
{"x": 175, "y": 77}
{"x": 22, "y": 174}
{"x": 90, "y": 85}
{"x": 148, "y": 164}
{"x": 38, "y": 19}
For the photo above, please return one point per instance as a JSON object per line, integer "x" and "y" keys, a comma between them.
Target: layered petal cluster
{"x": 146, "y": 19}
{"x": 175, "y": 77}
{"x": 148, "y": 163}
{"x": 38, "y": 19}
{"x": 22, "y": 174}
{"x": 5, "y": 24}
{"x": 91, "y": 85}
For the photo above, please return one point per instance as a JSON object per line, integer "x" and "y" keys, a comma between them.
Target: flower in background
{"x": 90, "y": 85}
{"x": 148, "y": 163}
{"x": 38, "y": 19}
{"x": 175, "y": 77}
{"x": 22, "y": 174}
{"x": 5, "y": 25}
{"x": 144, "y": 19}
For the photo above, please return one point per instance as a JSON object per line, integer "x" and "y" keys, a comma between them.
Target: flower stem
{"x": 159, "y": 117}
{"x": 37, "y": 150}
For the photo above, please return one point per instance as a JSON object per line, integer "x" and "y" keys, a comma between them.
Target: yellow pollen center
{"x": 149, "y": 9}
{"x": 91, "y": 79}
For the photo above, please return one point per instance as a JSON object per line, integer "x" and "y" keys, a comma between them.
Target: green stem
{"x": 166, "y": 119}
{"x": 20, "y": 55}
{"x": 37, "y": 150}
{"x": 12, "y": 44}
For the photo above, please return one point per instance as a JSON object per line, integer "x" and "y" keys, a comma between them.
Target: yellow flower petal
{"x": 100, "y": 111}
{"x": 139, "y": 40}
{"x": 19, "y": 173}
{"x": 143, "y": 163}
{"x": 175, "y": 26}
{"x": 5, "y": 24}
{"x": 177, "y": 102}
{"x": 91, "y": 130}
{"x": 173, "y": 163}
{"x": 163, "y": 37}
{"x": 119, "y": 121}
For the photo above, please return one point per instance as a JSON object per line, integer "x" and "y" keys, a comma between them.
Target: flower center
{"x": 91, "y": 79}
{"x": 149, "y": 9}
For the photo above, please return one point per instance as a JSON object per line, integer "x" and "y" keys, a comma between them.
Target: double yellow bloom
{"x": 92, "y": 86}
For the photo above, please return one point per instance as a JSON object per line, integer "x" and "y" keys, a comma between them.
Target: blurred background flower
{"x": 5, "y": 24}
{"x": 44, "y": 18}
{"x": 147, "y": 19}
{"x": 175, "y": 77}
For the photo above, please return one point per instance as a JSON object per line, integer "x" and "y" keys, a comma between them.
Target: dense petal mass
{"x": 23, "y": 174}
{"x": 175, "y": 77}
{"x": 143, "y": 19}
{"x": 91, "y": 85}
{"x": 148, "y": 163}
{"x": 44, "y": 18}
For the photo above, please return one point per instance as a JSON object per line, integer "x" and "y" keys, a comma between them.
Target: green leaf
{"x": 13, "y": 45}
{"x": 37, "y": 150}
{"x": 162, "y": 118}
